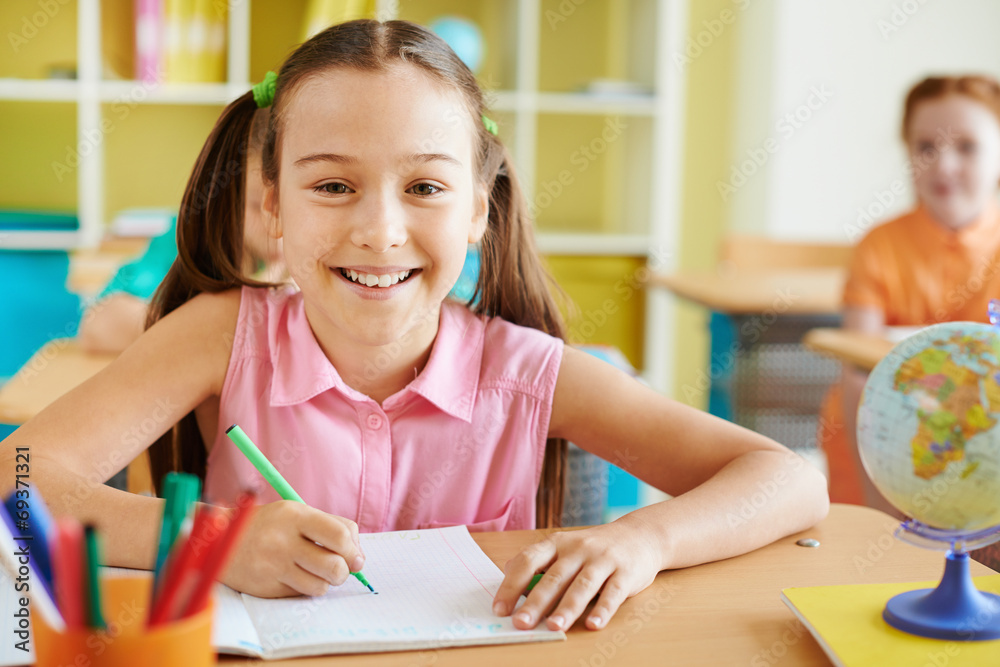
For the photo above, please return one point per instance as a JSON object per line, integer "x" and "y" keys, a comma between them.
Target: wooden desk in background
{"x": 723, "y": 613}
{"x": 55, "y": 369}
{"x": 860, "y": 350}
{"x": 743, "y": 292}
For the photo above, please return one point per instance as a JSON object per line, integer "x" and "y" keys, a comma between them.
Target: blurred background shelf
{"x": 138, "y": 92}
{"x": 39, "y": 90}
{"x": 634, "y": 245}
{"x": 584, "y": 95}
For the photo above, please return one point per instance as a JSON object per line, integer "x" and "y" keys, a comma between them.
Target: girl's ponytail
{"x": 209, "y": 258}
{"x": 513, "y": 284}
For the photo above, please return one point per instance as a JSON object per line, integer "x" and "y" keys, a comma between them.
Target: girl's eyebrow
{"x": 306, "y": 160}
{"x": 423, "y": 158}
{"x": 420, "y": 158}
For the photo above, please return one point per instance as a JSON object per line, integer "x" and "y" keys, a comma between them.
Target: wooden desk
{"x": 724, "y": 613}
{"x": 861, "y": 350}
{"x": 740, "y": 292}
{"x": 55, "y": 369}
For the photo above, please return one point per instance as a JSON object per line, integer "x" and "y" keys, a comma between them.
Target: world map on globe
{"x": 928, "y": 426}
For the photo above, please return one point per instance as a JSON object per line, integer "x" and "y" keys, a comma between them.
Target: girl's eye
{"x": 425, "y": 189}
{"x": 332, "y": 189}
{"x": 925, "y": 147}
{"x": 967, "y": 147}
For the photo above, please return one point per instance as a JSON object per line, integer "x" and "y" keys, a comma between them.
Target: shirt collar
{"x": 300, "y": 369}
{"x": 449, "y": 380}
{"x": 981, "y": 233}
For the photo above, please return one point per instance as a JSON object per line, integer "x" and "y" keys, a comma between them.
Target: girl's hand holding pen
{"x": 616, "y": 560}
{"x": 292, "y": 549}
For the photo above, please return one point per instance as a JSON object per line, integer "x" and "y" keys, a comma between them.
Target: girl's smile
{"x": 377, "y": 283}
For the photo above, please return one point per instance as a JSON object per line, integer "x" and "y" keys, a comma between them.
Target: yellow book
{"x": 847, "y": 623}
{"x": 178, "y": 16}
{"x": 206, "y": 41}
{"x": 321, "y": 14}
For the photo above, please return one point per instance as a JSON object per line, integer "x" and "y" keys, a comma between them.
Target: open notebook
{"x": 435, "y": 589}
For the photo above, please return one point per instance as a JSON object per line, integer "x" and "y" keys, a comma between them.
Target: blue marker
{"x": 29, "y": 542}
{"x": 35, "y": 529}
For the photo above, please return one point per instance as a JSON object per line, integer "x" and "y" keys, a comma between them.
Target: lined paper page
{"x": 435, "y": 588}
{"x": 232, "y": 630}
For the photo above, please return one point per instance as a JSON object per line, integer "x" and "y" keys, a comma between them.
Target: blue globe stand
{"x": 956, "y": 609}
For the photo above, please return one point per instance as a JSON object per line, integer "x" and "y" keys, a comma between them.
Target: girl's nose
{"x": 948, "y": 161}
{"x": 379, "y": 224}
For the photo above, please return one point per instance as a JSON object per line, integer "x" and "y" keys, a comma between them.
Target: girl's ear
{"x": 480, "y": 216}
{"x": 269, "y": 209}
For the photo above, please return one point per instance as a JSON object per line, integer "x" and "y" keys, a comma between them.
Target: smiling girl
{"x": 386, "y": 405}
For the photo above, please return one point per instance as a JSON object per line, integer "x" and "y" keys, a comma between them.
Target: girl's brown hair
{"x": 512, "y": 283}
{"x": 983, "y": 89}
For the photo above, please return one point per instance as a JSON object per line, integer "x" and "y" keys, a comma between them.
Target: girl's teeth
{"x": 371, "y": 280}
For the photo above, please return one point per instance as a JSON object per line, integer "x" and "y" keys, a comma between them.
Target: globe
{"x": 464, "y": 38}
{"x": 929, "y": 439}
{"x": 929, "y": 426}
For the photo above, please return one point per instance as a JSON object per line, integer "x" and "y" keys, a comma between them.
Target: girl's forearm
{"x": 129, "y": 524}
{"x": 755, "y": 499}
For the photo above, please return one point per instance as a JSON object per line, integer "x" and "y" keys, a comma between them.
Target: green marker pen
{"x": 181, "y": 492}
{"x": 95, "y": 601}
{"x": 272, "y": 476}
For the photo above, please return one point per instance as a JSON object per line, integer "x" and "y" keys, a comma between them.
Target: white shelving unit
{"x": 654, "y": 234}
{"x": 89, "y": 91}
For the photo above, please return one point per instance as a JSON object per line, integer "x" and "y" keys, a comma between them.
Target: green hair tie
{"x": 263, "y": 92}
{"x": 491, "y": 125}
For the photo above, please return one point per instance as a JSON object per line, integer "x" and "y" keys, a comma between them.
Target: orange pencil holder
{"x": 127, "y": 642}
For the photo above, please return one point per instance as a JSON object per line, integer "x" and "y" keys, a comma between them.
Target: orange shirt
{"x": 919, "y": 272}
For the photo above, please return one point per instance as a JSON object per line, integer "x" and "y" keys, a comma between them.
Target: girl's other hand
{"x": 615, "y": 560}
{"x": 290, "y": 549}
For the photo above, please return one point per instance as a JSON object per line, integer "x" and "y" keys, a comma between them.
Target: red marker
{"x": 183, "y": 571}
{"x": 67, "y": 571}
{"x": 219, "y": 556}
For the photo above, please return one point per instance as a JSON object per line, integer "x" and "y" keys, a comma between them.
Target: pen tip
{"x": 230, "y": 428}
{"x": 371, "y": 589}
